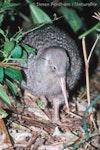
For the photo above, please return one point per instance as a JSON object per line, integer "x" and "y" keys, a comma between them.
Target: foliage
{"x": 37, "y": 14}
{"x": 7, "y": 7}
{"x": 4, "y": 96}
{"x": 12, "y": 49}
{"x": 72, "y": 18}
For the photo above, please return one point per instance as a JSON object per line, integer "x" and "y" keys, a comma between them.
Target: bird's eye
{"x": 54, "y": 68}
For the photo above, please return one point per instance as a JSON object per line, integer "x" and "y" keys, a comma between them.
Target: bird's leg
{"x": 55, "y": 115}
{"x": 44, "y": 99}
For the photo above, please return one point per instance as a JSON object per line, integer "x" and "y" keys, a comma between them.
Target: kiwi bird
{"x": 55, "y": 70}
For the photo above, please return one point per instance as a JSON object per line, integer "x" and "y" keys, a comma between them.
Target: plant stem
{"x": 90, "y": 30}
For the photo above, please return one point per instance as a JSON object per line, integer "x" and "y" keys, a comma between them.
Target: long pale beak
{"x": 62, "y": 82}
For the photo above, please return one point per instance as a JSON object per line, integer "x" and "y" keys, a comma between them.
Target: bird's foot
{"x": 57, "y": 121}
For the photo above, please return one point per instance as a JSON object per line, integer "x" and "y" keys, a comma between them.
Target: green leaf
{"x": 1, "y": 19}
{"x": 8, "y": 46}
{"x": 9, "y": 6}
{"x": 41, "y": 105}
{"x": 1, "y": 3}
{"x": 38, "y": 15}
{"x": 12, "y": 87}
{"x": 72, "y": 18}
{"x": 28, "y": 49}
{"x": 16, "y": 52}
{"x": 1, "y": 55}
{"x": 25, "y": 18}
{"x": 2, "y": 32}
{"x": 4, "y": 96}
{"x": 14, "y": 74}
{"x": 6, "y": 1}
{"x": 3, "y": 114}
{"x": 24, "y": 57}
{"x": 1, "y": 74}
